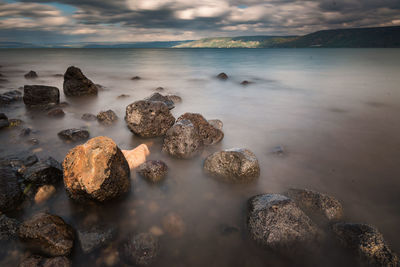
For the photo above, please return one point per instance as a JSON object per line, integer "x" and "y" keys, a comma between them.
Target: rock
{"x": 135, "y": 78}
{"x": 48, "y": 234}
{"x": 39, "y": 95}
{"x": 44, "y": 172}
{"x": 95, "y": 238}
{"x": 208, "y": 133}
{"x": 10, "y": 192}
{"x": 182, "y": 140}
{"x": 15, "y": 122}
{"x": 57, "y": 112}
{"x": 107, "y": 117}
{"x": 278, "y": 150}
{"x": 44, "y": 193}
{"x": 76, "y": 84}
{"x": 226, "y": 229}
{"x": 149, "y": 118}
{"x": 20, "y": 161}
{"x": 39, "y": 261}
{"x": 245, "y": 83}
{"x": 123, "y": 96}
{"x": 174, "y": 98}
{"x": 159, "y": 89}
{"x": 4, "y": 121}
{"x": 97, "y": 170}
{"x": 275, "y": 222}
{"x": 25, "y": 132}
{"x": 10, "y": 97}
{"x": 174, "y": 225}
{"x": 233, "y": 165}
{"x": 222, "y": 76}
{"x": 367, "y": 242}
{"x": 153, "y": 170}
{"x": 8, "y": 229}
{"x": 217, "y": 124}
{"x": 74, "y": 134}
{"x": 320, "y": 207}
{"x": 141, "y": 249}
{"x": 31, "y": 75}
{"x": 89, "y": 117}
{"x": 161, "y": 98}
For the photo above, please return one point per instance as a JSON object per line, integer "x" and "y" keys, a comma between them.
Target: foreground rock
{"x": 39, "y": 95}
{"x": 8, "y": 229}
{"x": 275, "y": 222}
{"x": 141, "y": 249}
{"x": 89, "y": 117}
{"x": 208, "y": 133}
{"x": 4, "y": 121}
{"x": 31, "y": 75}
{"x": 96, "y": 170}
{"x": 322, "y": 208}
{"x": 182, "y": 140}
{"x": 76, "y": 84}
{"x": 74, "y": 134}
{"x": 95, "y": 238}
{"x": 149, "y": 118}
{"x": 367, "y": 242}
{"x": 153, "y": 170}
{"x": 10, "y": 192}
{"x": 43, "y": 172}
{"x": 233, "y": 165}
{"x": 222, "y": 76}
{"x": 39, "y": 261}
{"x": 10, "y": 97}
{"x": 48, "y": 234}
{"x": 107, "y": 117}
{"x": 161, "y": 98}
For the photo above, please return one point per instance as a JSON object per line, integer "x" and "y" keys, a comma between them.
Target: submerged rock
{"x": 39, "y": 95}
{"x": 245, "y": 83}
{"x": 153, "y": 170}
{"x": 97, "y": 170}
{"x": 89, "y": 117}
{"x": 174, "y": 225}
{"x": 182, "y": 140}
{"x": 367, "y": 242}
{"x": 57, "y": 112}
{"x": 39, "y": 261}
{"x": 159, "y": 89}
{"x": 10, "y": 97}
{"x": 233, "y": 165}
{"x": 141, "y": 249}
{"x": 123, "y": 96}
{"x": 161, "y": 98}
{"x": 43, "y": 172}
{"x": 48, "y": 234}
{"x": 4, "y": 121}
{"x": 95, "y": 238}
{"x": 31, "y": 75}
{"x": 135, "y": 78}
{"x": 107, "y": 117}
{"x": 77, "y": 84}
{"x": 10, "y": 192}
{"x": 74, "y": 134}
{"x": 8, "y": 229}
{"x": 222, "y": 76}
{"x": 44, "y": 193}
{"x": 149, "y": 118}
{"x": 174, "y": 98}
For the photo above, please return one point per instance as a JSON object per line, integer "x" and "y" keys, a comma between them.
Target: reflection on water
{"x": 335, "y": 111}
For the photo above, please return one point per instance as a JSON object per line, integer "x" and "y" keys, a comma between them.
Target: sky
{"x": 68, "y": 21}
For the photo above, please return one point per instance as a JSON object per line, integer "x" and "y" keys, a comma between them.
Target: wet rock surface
{"x": 40, "y": 95}
{"x": 4, "y": 121}
{"x": 95, "y": 237}
{"x": 10, "y": 97}
{"x": 222, "y": 76}
{"x": 8, "y": 229}
{"x": 39, "y": 261}
{"x": 47, "y": 234}
{"x": 153, "y": 170}
{"x": 74, "y": 134}
{"x": 161, "y": 98}
{"x": 233, "y": 165}
{"x": 141, "y": 249}
{"x": 57, "y": 112}
{"x": 367, "y": 242}
{"x": 182, "y": 140}
{"x": 77, "y": 84}
{"x": 107, "y": 117}
{"x": 10, "y": 191}
{"x": 89, "y": 117}
{"x": 97, "y": 170}
{"x": 43, "y": 172}
{"x": 148, "y": 118}
{"x": 31, "y": 75}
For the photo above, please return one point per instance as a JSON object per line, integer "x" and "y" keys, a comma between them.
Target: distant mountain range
{"x": 380, "y": 37}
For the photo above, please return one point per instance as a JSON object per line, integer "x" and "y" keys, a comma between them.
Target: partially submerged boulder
{"x": 96, "y": 170}
{"x": 39, "y": 95}
{"x": 107, "y": 117}
{"x": 135, "y": 78}
{"x": 153, "y": 170}
{"x": 77, "y": 84}
{"x": 95, "y": 237}
{"x": 233, "y": 165}
{"x": 43, "y": 172}
{"x": 161, "y": 98}
{"x": 149, "y": 118}
{"x": 140, "y": 250}
{"x": 10, "y": 191}
{"x": 56, "y": 112}
{"x": 74, "y": 134}
{"x": 31, "y": 75}
{"x": 222, "y": 76}
{"x": 89, "y": 117}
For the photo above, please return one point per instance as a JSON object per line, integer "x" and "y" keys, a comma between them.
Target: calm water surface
{"x": 335, "y": 112}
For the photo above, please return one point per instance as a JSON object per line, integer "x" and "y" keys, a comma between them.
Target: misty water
{"x": 335, "y": 112}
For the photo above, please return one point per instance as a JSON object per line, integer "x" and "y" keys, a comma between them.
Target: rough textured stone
{"x": 107, "y": 117}
{"x": 218, "y": 124}
{"x": 95, "y": 238}
{"x": 31, "y": 75}
{"x": 367, "y": 242}
{"x": 89, "y": 117}
{"x": 96, "y": 169}
{"x": 153, "y": 170}
{"x": 141, "y": 249}
{"x": 39, "y": 261}
{"x": 10, "y": 192}
{"x": 182, "y": 140}
{"x": 149, "y": 118}
{"x": 76, "y": 84}
{"x": 74, "y": 134}
{"x": 57, "y": 112}
{"x": 233, "y": 165}
{"x": 161, "y": 98}
{"x": 43, "y": 172}
{"x": 222, "y": 76}
{"x": 48, "y": 234}
{"x": 208, "y": 133}
{"x": 8, "y": 229}
{"x": 39, "y": 95}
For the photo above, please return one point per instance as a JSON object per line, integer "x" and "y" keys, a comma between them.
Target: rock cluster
{"x": 77, "y": 84}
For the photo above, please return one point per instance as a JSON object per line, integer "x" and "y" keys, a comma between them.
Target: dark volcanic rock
{"x": 10, "y": 192}
{"x": 245, "y": 82}
{"x": 48, "y": 234}
{"x": 141, "y": 249}
{"x": 10, "y": 97}
{"x": 107, "y": 117}
{"x": 44, "y": 172}
{"x": 57, "y": 112}
{"x": 97, "y": 170}
{"x": 153, "y": 170}
{"x": 74, "y": 134}
{"x": 31, "y": 75}
{"x": 161, "y": 98}
{"x": 182, "y": 140}
{"x": 76, "y": 84}
{"x": 135, "y": 78}
{"x": 20, "y": 161}
{"x": 367, "y": 242}
{"x": 320, "y": 207}
{"x": 123, "y": 96}
{"x": 233, "y": 165}
{"x": 8, "y": 229}
{"x": 149, "y": 118}
{"x": 208, "y": 133}
{"x": 39, "y": 261}
{"x": 222, "y": 76}
{"x": 275, "y": 222}
{"x": 4, "y": 121}
{"x": 38, "y": 95}
{"x": 95, "y": 238}
{"x": 89, "y": 117}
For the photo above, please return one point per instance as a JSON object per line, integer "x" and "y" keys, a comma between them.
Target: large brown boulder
{"x": 210, "y": 134}
{"x": 149, "y": 118}
{"x": 39, "y": 95}
{"x": 47, "y": 234}
{"x": 97, "y": 170}
{"x": 77, "y": 84}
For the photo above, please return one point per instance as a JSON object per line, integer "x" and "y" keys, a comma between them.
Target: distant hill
{"x": 167, "y": 44}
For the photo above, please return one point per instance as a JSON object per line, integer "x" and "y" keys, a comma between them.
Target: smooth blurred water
{"x": 335, "y": 112}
